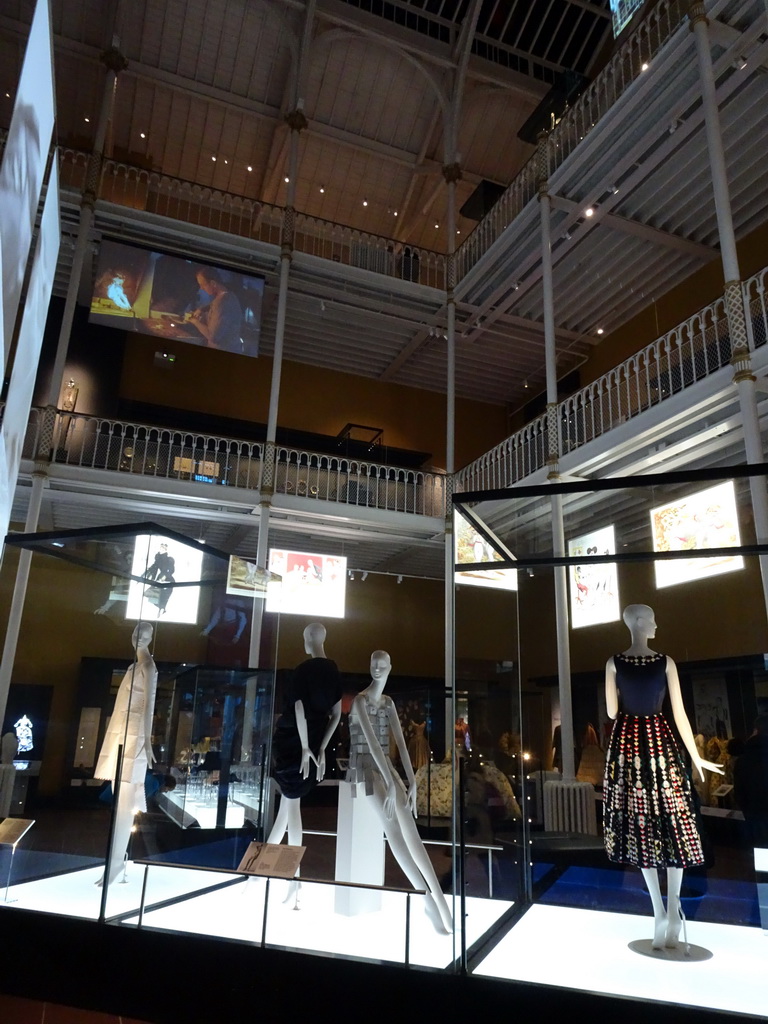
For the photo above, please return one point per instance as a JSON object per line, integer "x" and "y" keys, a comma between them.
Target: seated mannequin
{"x": 649, "y": 814}
{"x": 372, "y": 719}
{"x": 311, "y": 713}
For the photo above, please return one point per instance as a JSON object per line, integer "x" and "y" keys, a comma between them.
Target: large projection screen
{"x": 165, "y": 565}
{"x": 176, "y": 299}
{"x": 707, "y": 519}
{"x": 594, "y": 586}
{"x": 21, "y": 388}
{"x": 23, "y": 167}
{"x": 312, "y": 584}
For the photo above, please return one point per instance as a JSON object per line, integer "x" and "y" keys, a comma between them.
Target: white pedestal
{"x": 360, "y": 852}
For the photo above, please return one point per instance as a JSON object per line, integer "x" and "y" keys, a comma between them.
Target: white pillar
{"x": 743, "y": 377}
{"x": 553, "y": 444}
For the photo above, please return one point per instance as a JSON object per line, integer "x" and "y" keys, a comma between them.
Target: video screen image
{"x": 177, "y": 299}
{"x": 312, "y": 584}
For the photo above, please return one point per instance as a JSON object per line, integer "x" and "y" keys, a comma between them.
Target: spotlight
{"x": 613, "y": 189}
{"x": 249, "y": 168}
{"x": 644, "y": 66}
{"x": 600, "y": 330}
{"x": 740, "y": 63}
{"x": 567, "y": 236}
{"x": 399, "y": 579}
{"x": 589, "y": 212}
{"x": 322, "y": 189}
{"x": 286, "y": 179}
{"x": 365, "y": 202}
{"x": 365, "y": 576}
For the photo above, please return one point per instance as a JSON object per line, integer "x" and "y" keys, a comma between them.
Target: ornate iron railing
{"x": 93, "y": 442}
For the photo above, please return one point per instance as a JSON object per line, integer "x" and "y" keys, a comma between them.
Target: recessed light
{"x": 589, "y": 212}
{"x": 249, "y": 167}
{"x": 286, "y": 179}
{"x": 437, "y": 225}
{"x": 458, "y": 231}
{"x": 395, "y": 213}
{"x": 87, "y": 120}
{"x": 226, "y": 161}
{"x": 322, "y": 189}
{"x": 365, "y": 202}
{"x": 213, "y": 158}
{"x": 142, "y": 135}
{"x": 600, "y": 330}
{"x": 643, "y": 67}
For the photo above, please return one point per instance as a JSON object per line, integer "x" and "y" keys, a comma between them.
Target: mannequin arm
{"x": 397, "y": 732}
{"x": 301, "y": 727}
{"x": 333, "y": 720}
{"x": 683, "y": 725}
{"x": 611, "y": 691}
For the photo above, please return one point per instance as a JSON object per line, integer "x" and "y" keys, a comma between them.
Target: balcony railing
{"x": 624, "y": 68}
{"x": 91, "y": 442}
{"x": 673, "y": 363}
{"x": 141, "y": 189}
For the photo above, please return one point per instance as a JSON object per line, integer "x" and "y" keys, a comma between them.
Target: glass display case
{"x": 639, "y": 855}
{"x": 167, "y": 754}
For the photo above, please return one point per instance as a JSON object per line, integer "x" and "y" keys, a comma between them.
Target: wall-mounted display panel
{"x": 312, "y": 584}
{"x": 705, "y": 519}
{"x": 594, "y": 587}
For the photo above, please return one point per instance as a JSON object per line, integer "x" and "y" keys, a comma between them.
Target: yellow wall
{"x": 312, "y": 399}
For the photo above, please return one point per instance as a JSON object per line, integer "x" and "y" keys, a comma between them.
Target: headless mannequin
{"x": 396, "y": 807}
{"x": 289, "y": 814}
{"x": 641, "y": 622}
{"x": 131, "y": 728}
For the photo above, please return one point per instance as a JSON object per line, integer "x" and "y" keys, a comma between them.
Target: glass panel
{"x": 671, "y": 555}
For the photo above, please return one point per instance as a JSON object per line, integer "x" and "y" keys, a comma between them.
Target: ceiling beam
{"x": 640, "y": 230}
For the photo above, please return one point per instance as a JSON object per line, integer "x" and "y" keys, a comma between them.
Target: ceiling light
{"x": 589, "y": 212}
{"x": 567, "y": 236}
{"x": 395, "y": 213}
{"x": 226, "y": 161}
{"x": 249, "y": 167}
{"x": 740, "y": 63}
{"x": 399, "y": 579}
{"x": 87, "y": 120}
{"x": 365, "y": 202}
{"x": 7, "y": 95}
{"x": 142, "y": 135}
{"x": 600, "y": 330}
{"x": 213, "y": 158}
{"x": 286, "y": 179}
{"x": 525, "y": 384}
{"x": 613, "y": 189}
{"x": 644, "y": 67}
{"x": 322, "y": 189}
{"x": 458, "y": 231}
{"x": 437, "y": 225}
{"x": 365, "y": 576}
{"x": 515, "y": 285}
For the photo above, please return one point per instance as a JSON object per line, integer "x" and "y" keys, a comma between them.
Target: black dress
{"x": 649, "y": 816}
{"x": 317, "y": 684}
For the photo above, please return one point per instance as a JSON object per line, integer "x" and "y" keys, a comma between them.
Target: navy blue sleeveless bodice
{"x": 642, "y": 683}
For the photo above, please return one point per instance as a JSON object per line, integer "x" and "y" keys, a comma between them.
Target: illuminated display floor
{"x": 588, "y": 949}
{"x": 238, "y": 912}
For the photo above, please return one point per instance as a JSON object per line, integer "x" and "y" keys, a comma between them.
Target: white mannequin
{"x": 396, "y": 807}
{"x": 130, "y": 727}
{"x": 288, "y": 817}
{"x": 641, "y": 622}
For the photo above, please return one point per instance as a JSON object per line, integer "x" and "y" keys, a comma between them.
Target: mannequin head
{"x": 381, "y": 665}
{"x": 640, "y": 621}
{"x": 314, "y": 639}
{"x": 142, "y": 635}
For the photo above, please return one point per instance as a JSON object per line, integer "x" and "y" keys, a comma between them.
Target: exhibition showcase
{"x": 656, "y": 865}
{"x": 273, "y": 705}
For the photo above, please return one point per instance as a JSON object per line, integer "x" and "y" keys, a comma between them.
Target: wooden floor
{"x": 14, "y": 1010}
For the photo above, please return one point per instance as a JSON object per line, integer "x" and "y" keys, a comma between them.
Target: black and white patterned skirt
{"x": 649, "y": 818}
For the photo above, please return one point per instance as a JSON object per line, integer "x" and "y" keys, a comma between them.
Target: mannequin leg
{"x": 651, "y": 877}
{"x": 674, "y": 919}
{"x": 124, "y": 815}
{"x": 408, "y": 850}
{"x": 288, "y": 819}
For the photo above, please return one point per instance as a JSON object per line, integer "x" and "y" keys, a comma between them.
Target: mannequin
{"x": 649, "y": 813}
{"x": 311, "y": 713}
{"x": 371, "y": 719}
{"x": 130, "y": 727}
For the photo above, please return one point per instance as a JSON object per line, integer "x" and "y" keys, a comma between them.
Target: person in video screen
{"x": 220, "y": 321}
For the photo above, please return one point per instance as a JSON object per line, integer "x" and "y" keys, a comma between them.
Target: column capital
{"x": 113, "y": 60}
{"x": 452, "y": 172}
{"x": 697, "y": 12}
{"x": 296, "y": 120}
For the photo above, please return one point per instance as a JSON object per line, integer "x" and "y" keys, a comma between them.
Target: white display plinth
{"x": 359, "y": 851}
